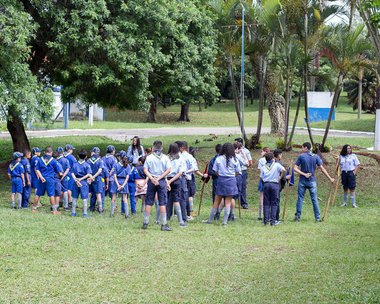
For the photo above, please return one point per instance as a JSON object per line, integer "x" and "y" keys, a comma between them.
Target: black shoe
{"x": 126, "y": 217}
{"x": 231, "y": 218}
{"x": 318, "y": 220}
{"x": 166, "y": 228}
{"x": 217, "y": 216}
{"x": 67, "y": 209}
{"x": 60, "y": 204}
{"x": 245, "y": 206}
{"x": 259, "y": 218}
{"x": 145, "y": 226}
{"x": 296, "y": 219}
{"x": 275, "y": 223}
{"x": 266, "y": 224}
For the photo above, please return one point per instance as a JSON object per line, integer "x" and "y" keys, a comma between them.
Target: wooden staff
{"x": 337, "y": 176}
{"x": 287, "y": 191}
{"x": 331, "y": 189}
{"x": 200, "y": 202}
{"x": 205, "y": 180}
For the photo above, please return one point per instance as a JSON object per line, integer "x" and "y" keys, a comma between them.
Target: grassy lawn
{"x": 46, "y": 259}
{"x": 220, "y": 114}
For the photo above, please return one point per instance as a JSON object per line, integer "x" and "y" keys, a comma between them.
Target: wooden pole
{"x": 337, "y": 175}
{"x": 200, "y": 202}
{"x": 287, "y": 191}
{"x": 328, "y": 201}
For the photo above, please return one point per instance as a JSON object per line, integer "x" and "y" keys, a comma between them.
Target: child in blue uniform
{"x": 133, "y": 176}
{"x": 81, "y": 171}
{"x": 244, "y": 175}
{"x": 104, "y": 185}
{"x": 97, "y": 165}
{"x": 69, "y": 155}
{"x": 141, "y": 183}
{"x": 45, "y": 169}
{"x": 57, "y": 180}
{"x": 157, "y": 166}
{"x": 28, "y": 178}
{"x": 36, "y": 153}
{"x": 65, "y": 164}
{"x": 226, "y": 167}
{"x": 109, "y": 162}
{"x": 184, "y": 190}
{"x": 349, "y": 165}
{"x": 178, "y": 166}
{"x": 211, "y": 172}
{"x": 271, "y": 175}
{"x": 260, "y": 164}
{"x": 120, "y": 172}
{"x": 16, "y": 175}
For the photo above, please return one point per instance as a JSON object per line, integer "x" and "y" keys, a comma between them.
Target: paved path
{"x": 127, "y": 134}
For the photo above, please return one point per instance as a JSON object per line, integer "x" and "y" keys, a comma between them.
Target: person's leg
{"x": 150, "y": 198}
{"x": 227, "y": 209}
{"x": 274, "y": 203}
{"x": 243, "y": 194}
{"x": 162, "y": 196}
{"x": 113, "y": 204}
{"x": 183, "y": 198}
{"x": 99, "y": 200}
{"x": 19, "y": 200}
{"x": 261, "y": 205}
{"x": 266, "y": 202}
{"x": 232, "y": 211}
{"x": 13, "y": 200}
{"x": 353, "y": 198}
{"x": 132, "y": 198}
{"x": 169, "y": 206}
{"x": 314, "y": 200}
{"x": 217, "y": 201}
{"x": 143, "y": 199}
{"x": 125, "y": 199}
{"x": 301, "y": 193}
{"x": 26, "y": 196}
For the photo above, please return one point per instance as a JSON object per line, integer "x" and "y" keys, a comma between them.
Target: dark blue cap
{"x": 95, "y": 150}
{"x": 17, "y": 155}
{"x": 122, "y": 154}
{"x": 36, "y": 149}
{"x": 69, "y": 147}
{"x": 130, "y": 159}
{"x": 60, "y": 150}
{"x": 110, "y": 149}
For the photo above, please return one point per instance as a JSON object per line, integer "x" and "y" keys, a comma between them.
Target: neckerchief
{"x": 59, "y": 157}
{"x": 81, "y": 161}
{"x": 46, "y": 161}
{"x": 310, "y": 153}
{"x": 94, "y": 159}
{"x": 66, "y": 154}
{"x": 109, "y": 155}
{"x": 13, "y": 167}
{"x": 157, "y": 153}
{"x": 271, "y": 164}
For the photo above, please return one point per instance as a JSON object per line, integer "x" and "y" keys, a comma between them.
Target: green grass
{"x": 46, "y": 259}
{"x": 218, "y": 115}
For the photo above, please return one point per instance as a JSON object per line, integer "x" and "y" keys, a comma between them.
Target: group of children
{"x": 166, "y": 181}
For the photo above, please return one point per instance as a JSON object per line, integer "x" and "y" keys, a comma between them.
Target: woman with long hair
{"x": 349, "y": 165}
{"x": 136, "y": 150}
{"x": 226, "y": 167}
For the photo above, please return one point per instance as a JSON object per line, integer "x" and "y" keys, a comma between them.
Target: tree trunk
{"x": 275, "y": 105}
{"x": 287, "y": 112}
{"x": 296, "y": 117}
{"x": 334, "y": 101}
{"x": 360, "y": 92}
{"x": 262, "y": 75}
{"x": 184, "y": 112}
{"x": 251, "y": 95}
{"x": 199, "y": 106}
{"x": 16, "y": 129}
{"x": 234, "y": 89}
{"x": 152, "y": 110}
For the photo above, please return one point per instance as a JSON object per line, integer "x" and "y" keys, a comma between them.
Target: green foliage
{"x": 323, "y": 149}
{"x": 280, "y": 144}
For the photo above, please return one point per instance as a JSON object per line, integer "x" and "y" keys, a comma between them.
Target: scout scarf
{"x": 81, "y": 162}
{"x": 269, "y": 165}
{"x": 94, "y": 159}
{"x": 46, "y": 161}
{"x": 13, "y": 167}
{"x": 157, "y": 153}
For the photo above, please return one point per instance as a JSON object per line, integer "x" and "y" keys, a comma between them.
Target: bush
{"x": 323, "y": 149}
{"x": 280, "y": 144}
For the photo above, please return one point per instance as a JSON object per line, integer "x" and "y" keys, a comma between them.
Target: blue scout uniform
{"x": 47, "y": 165}
{"x": 174, "y": 195}
{"x": 157, "y": 163}
{"x": 348, "y": 165}
{"x": 27, "y": 189}
{"x": 81, "y": 168}
{"x": 105, "y": 175}
{"x": 131, "y": 189}
{"x": 282, "y": 185}
{"x": 33, "y": 164}
{"x": 270, "y": 174}
{"x": 72, "y": 161}
{"x": 109, "y": 162}
{"x": 96, "y": 163}
{"x": 214, "y": 177}
{"x": 121, "y": 173}
{"x": 15, "y": 169}
{"x": 57, "y": 182}
{"x": 191, "y": 182}
{"x": 227, "y": 185}
{"x": 239, "y": 177}
{"x": 135, "y": 154}
{"x": 244, "y": 176}
{"x": 308, "y": 162}
{"x": 65, "y": 164}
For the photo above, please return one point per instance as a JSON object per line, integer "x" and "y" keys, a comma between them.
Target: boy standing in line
{"x": 16, "y": 175}
{"x": 65, "y": 164}
{"x": 27, "y": 175}
{"x": 97, "y": 165}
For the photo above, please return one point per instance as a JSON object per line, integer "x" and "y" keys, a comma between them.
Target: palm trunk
{"x": 335, "y": 99}
{"x": 296, "y": 117}
{"x": 262, "y": 73}
{"x": 360, "y": 93}
{"x": 234, "y": 89}
{"x": 184, "y": 116}
{"x": 287, "y": 109}
{"x": 16, "y": 129}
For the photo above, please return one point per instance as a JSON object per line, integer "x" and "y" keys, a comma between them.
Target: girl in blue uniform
{"x": 174, "y": 182}
{"x": 226, "y": 167}
{"x": 349, "y": 165}
{"x": 16, "y": 175}
{"x": 136, "y": 150}
{"x": 141, "y": 183}
{"x": 120, "y": 172}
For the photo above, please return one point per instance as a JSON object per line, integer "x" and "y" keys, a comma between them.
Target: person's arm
{"x": 116, "y": 181}
{"x": 107, "y": 183}
{"x": 216, "y": 173}
{"x": 298, "y": 170}
{"x": 9, "y": 176}
{"x": 326, "y": 173}
{"x": 125, "y": 182}
{"x": 152, "y": 179}
{"x": 39, "y": 175}
{"x": 163, "y": 175}
{"x": 97, "y": 174}
{"x": 175, "y": 177}
{"x": 27, "y": 179}
{"x": 356, "y": 163}
{"x": 282, "y": 174}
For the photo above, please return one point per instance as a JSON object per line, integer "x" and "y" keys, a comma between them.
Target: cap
{"x": 36, "y": 149}
{"x": 95, "y": 150}
{"x": 17, "y": 155}
{"x": 60, "y": 150}
{"x": 69, "y": 147}
{"x": 130, "y": 159}
{"x": 122, "y": 154}
{"x": 110, "y": 148}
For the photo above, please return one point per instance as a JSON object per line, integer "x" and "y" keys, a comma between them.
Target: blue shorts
{"x": 174, "y": 194}
{"x": 70, "y": 183}
{"x": 65, "y": 184}
{"x": 17, "y": 184}
{"x": 161, "y": 191}
{"x": 48, "y": 186}
{"x": 57, "y": 187}
{"x": 191, "y": 187}
{"x": 239, "y": 182}
{"x": 82, "y": 190}
{"x": 261, "y": 186}
{"x": 96, "y": 186}
{"x": 121, "y": 181}
{"x": 34, "y": 182}
{"x": 348, "y": 180}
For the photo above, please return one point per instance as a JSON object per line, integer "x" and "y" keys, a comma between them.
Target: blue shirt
{"x": 271, "y": 172}
{"x": 64, "y": 162}
{"x": 133, "y": 175}
{"x": 135, "y": 153}
{"x": 210, "y": 167}
{"x": 15, "y": 169}
{"x": 81, "y": 168}
{"x": 220, "y": 166}
{"x": 96, "y": 163}
{"x": 47, "y": 165}
{"x": 120, "y": 170}
{"x": 177, "y": 165}
{"x": 247, "y": 154}
{"x": 26, "y": 164}
{"x": 189, "y": 163}
{"x": 157, "y": 164}
{"x": 261, "y": 163}
{"x": 56, "y": 175}
{"x": 308, "y": 162}
{"x": 140, "y": 170}
{"x": 349, "y": 162}
{"x": 33, "y": 164}
{"x": 109, "y": 161}
{"x": 71, "y": 159}
{"x": 242, "y": 162}
{"x": 105, "y": 173}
